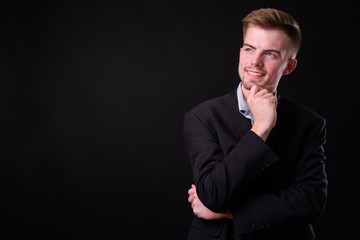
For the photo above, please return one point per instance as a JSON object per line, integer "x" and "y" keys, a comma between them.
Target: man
{"x": 257, "y": 159}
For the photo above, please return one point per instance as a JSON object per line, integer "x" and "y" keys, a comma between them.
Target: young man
{"x": 257, "y": 159}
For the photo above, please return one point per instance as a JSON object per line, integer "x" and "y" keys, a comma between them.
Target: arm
{"x": 302, "y": 202}
{"x": 304, "y": 199}
{"x": 218, "y": 177}
{"x": 262, "y": 105}
{"x": 201, "y": 211}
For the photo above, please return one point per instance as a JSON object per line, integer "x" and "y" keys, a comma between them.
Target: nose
{"x": 257, "y": 60}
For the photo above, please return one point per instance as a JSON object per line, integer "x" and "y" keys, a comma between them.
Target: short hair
{"x": 270, "y": 18}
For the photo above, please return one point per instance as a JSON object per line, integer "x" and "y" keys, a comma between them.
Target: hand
{"x": 262, "y": 105}
{"x": 200, "y": 210}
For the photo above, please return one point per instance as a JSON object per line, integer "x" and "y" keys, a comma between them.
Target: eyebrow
{"x": 267, "y": 50}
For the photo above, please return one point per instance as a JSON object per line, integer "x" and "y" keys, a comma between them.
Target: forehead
{"x": 265, "y": 39}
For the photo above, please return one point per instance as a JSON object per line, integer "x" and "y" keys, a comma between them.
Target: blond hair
{"x": 270, "y": 18}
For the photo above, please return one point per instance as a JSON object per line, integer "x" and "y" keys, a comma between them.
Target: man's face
{"x": 264, "y": 58}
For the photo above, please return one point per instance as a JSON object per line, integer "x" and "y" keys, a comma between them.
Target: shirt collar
{"x": 243, "y": 106}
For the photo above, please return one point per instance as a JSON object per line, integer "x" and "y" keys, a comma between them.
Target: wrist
{"x": 262, "y": 131}
{"x": 228, "y": 215}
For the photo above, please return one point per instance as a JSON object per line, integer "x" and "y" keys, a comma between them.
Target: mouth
{"x": 255, "y": 74}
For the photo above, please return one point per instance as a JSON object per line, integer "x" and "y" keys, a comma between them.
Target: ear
{"x": 290, "y": 66}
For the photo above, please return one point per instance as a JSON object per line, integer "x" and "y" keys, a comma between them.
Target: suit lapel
{"x": 241, "y": 123}
{"x": 275, "y": 134}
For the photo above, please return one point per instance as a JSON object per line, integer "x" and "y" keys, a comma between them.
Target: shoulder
{"x": 297, "y": 113}
{"x": 213, "y": 106}
{"x": 211, "y": 112}
{"x": 299, "y": 122}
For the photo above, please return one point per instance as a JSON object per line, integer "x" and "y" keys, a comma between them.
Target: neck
{"x": 245, "y": 92}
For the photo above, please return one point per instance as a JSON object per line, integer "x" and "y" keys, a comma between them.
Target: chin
{"x": 248, "y": 84}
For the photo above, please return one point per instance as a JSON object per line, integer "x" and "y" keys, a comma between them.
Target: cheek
{"x": 241, "y": 63}
{"x": 275, "y": 68}
{"x": 243, "y": 59}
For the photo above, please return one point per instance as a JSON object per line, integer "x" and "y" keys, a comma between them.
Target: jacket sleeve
{"x": 217, "y": 177}
{"x": 301, "y": 202}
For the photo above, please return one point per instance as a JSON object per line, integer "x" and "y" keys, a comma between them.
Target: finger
{"x": 191, "y": 191}
{"x": 270, "y": 99}
{"x": 268, "y": 95}
{"x": 194, "y": 203}
{"x": 253, "y": 90}
{"x": 262, "y": 92}
{"x": 273, "y": 100}
{"x": 191, "y": 198}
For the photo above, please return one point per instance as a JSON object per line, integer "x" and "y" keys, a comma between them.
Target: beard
{"x": 263, "y": 84}
{"x": 247, "y": 85}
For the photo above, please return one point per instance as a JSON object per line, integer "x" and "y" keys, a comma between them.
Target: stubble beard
{"x": 247, "y": 84}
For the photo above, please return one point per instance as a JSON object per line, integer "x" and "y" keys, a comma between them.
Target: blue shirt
{"x": 243, "y": 106}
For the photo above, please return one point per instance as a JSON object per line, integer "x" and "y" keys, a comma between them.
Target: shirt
{"x": 243, "y": 106}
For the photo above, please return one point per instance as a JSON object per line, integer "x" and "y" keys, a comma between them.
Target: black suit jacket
{"x": 274, "y": 189}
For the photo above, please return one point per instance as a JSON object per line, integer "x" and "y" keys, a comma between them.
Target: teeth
{"x": 255, "y": 74}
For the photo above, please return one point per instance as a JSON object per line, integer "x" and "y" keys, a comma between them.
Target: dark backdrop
{"x": 93, "y": 95}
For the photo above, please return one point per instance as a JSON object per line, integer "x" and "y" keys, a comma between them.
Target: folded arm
{"x": 302, "y": 201}
{"x": 212, "y": 170}
{"x": 219, "y": 178}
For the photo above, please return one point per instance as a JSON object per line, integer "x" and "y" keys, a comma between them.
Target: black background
{"x": 93, "y": 95}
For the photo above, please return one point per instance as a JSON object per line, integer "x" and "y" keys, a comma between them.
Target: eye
{"x": 248, "y": 49}
{"x": 270, "y": 54}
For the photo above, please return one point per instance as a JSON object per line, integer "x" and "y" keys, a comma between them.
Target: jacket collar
{"x": 242, "y": 123}
{"x": 232, "y": 100}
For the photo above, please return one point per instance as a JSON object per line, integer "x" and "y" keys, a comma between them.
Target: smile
{"x": 255, "y": 73}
